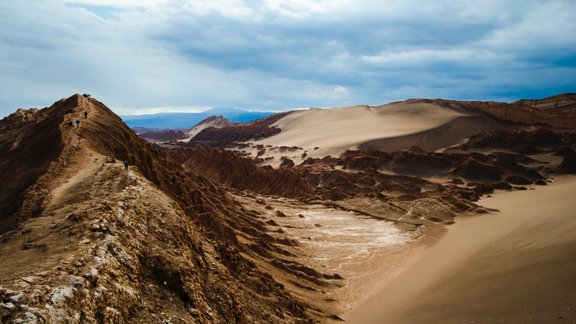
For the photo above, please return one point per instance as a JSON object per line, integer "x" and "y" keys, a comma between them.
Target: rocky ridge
{"x": 105, "y": 245}
{"x": 555, "y": 112}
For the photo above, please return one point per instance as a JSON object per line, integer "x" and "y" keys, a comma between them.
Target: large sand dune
{"x": 516, "y": 266}
{"x": 336, "y": 130}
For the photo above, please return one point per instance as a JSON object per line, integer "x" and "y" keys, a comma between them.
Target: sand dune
{"x": 443, "y": 136}
{"x": 511, "y": 267}
{"x": 335, "y": 130}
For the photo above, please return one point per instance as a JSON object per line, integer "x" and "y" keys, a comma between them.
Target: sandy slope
{"x": 513, "y": 266}
{"x": 335, "y": 130}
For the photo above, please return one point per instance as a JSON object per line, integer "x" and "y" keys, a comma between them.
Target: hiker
{"x": 77, "y": 123}
{"x": 85, "y": 115}
{"x": 126, "y": 165}
{"x": 70, "y": 124}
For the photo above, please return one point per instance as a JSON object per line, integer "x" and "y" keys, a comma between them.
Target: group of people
{"x": 71, "y": 124}
{"x": 77, "y": 122}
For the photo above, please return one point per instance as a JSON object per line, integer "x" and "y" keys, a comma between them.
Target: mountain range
{"x": 188, "y": 120}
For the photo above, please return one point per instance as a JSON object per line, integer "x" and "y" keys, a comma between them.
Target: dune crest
{"x": 336, "y": 130}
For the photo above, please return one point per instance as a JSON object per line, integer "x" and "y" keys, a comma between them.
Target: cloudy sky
{"x": 146, "y": 56}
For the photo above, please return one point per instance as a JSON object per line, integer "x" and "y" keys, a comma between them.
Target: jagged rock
{"x": 223, "y": 136}
{"x": 525, "y": 142}
{"x": 164, "y": 136}
{"x": 286, "y": 163}
{"x": 473, "y": 170}
{"x": 228, "y": 168}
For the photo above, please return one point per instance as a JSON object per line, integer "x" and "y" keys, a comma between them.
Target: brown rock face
{"x": 228, "y": 168}
{"x": 557, "y": 112}
{"x": 526, "y": 142}
{"x": 29, "y": 142}
{"x": 163, "y": 136}
{"x": 286, "y": 163}
{"x": 474, "y": 170}
{"x": 222, "y": 136}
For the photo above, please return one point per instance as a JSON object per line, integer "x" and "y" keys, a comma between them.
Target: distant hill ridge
{"x": 184, "y": 121}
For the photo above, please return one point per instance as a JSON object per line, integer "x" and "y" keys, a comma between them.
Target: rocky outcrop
{"x": 558, "y": 112}
{"x": 169, "y": 135}
{"x": 210, "y": 122}
{"x": 474, "y": 170}
{"x": 224, "y": 136}
{"x": 218, "y": 137}
{"x": 240, "y": 173}
{"x": 470, "y": 166}
{"x": 526, "y": 142}
{"x": 286, "y": 163}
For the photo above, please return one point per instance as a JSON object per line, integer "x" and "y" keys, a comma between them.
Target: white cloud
{"x": 119, "y": 3}
{"x": 271, "y": 54}
{"x": 160, "y": 109}
{"x": 304, "y": 8}
{"x": 550, "y": 23}
{"x": 340, "y": 90}
{"x": 227, "y": 8}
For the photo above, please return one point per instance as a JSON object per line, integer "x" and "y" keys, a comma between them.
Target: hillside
{"x": 89, "y": 241}
{"x": 213, "y": 121}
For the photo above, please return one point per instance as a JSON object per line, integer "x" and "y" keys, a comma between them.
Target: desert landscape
{"x": 417, "y": 211}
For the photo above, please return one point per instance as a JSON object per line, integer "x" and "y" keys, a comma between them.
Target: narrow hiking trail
{"x": 81, "y": 181}
{"x": 88, "y": 164}
{"x": 85, "y": 249}
{"x": 87, "y": 175}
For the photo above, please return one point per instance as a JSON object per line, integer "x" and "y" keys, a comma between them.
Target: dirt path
{"x": 86, "y": 165}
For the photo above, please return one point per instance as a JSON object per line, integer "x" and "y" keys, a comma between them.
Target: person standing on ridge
{"x": 77, "y": 123}
{"x": 85, "y": 115}
{"x": 126, "y": 165}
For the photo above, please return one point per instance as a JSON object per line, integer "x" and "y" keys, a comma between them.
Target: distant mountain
{"x": 188, "y": 120}
{"x": 213, "y": 121}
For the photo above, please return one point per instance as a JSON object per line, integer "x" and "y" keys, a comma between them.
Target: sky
{"x": 147, "y": 56}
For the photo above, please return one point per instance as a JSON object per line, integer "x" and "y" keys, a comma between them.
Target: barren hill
{"x": 213, "y": 121}
{"x": 85, "y": 240}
